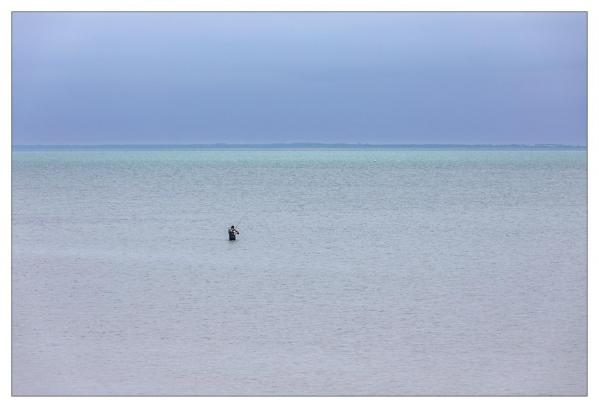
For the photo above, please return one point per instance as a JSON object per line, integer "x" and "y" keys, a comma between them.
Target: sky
{"x": 378, "y": 78}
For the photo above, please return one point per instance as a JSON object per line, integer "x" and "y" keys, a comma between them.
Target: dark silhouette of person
{"x": 232, "y": 233}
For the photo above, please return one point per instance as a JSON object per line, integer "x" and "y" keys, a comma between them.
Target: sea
{"x": 357, "y": 271}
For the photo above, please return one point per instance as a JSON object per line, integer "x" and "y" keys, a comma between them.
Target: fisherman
{"x": 232, "y": 233}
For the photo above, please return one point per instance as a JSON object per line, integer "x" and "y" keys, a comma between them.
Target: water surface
{"x": 357, "y": 272}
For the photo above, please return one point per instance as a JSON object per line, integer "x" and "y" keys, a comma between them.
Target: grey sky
{"x": 106, "y": 78}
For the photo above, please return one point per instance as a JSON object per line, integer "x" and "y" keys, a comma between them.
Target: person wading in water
{"x": 232, "y": 233}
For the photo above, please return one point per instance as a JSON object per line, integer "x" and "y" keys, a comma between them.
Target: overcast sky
{"x": 126, "y": 78}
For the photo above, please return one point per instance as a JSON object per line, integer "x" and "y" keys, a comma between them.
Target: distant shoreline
{"x": 299, "y": 146}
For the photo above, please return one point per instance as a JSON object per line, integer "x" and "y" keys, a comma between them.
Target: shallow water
{"x": 362, "y": 272}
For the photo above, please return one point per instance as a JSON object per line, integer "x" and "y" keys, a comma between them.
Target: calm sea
{"x": 356, "y": 272}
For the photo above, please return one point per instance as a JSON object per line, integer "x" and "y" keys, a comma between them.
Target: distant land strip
{"x": 294, "y": 146}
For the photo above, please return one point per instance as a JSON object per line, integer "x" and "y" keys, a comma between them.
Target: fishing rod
{"x": 241, "y": 219}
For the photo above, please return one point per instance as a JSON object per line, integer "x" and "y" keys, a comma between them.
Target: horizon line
{"x": 300, "y": 144}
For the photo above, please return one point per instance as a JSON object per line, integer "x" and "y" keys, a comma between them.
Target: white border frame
{"x": 7, "y": 6}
